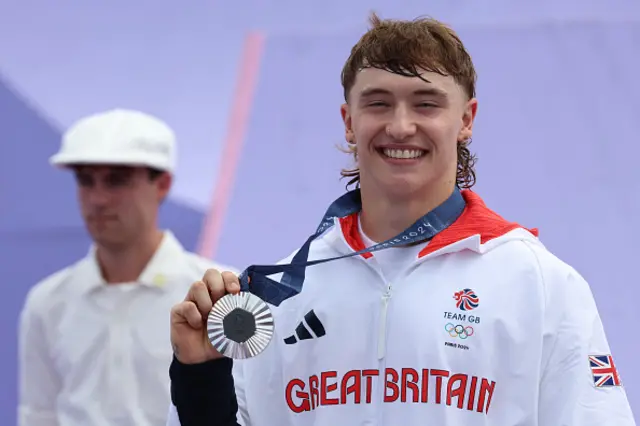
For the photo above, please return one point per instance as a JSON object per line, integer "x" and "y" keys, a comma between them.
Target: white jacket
{"x": 483, "y": 326}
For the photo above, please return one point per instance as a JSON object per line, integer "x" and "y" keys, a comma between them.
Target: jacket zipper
{"x": 382, "y": 349}
{"x": 382, "y": 326}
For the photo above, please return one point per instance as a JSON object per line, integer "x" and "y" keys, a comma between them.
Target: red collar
{"x": 476, "y": 219}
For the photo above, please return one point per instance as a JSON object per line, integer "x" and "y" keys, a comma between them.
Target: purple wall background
{"x": 558, "y": 96}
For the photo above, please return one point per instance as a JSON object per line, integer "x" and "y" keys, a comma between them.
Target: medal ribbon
{"x": 255, "y": 278}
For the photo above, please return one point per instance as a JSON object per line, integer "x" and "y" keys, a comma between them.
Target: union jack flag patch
{"x": 604, "y": 371}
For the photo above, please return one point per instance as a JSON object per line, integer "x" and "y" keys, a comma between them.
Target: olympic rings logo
{"x": 459, "y": 331}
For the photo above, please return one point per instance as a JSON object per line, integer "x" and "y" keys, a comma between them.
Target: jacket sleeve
{"x": 38, "y": 381}
{"x": 580, "y": 383}
{"x": 207, "y": 394}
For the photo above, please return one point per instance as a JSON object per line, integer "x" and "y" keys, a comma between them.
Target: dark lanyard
{"x": 255, "y": 278}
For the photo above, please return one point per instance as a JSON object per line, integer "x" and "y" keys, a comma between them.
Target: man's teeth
{"x": 403, "y": 153}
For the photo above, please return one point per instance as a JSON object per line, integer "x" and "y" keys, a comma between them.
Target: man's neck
{"x": 383, "y": 218}
{"x": 125, "y": 264}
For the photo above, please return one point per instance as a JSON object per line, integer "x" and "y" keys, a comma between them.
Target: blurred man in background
{"x": 94, "y": 347}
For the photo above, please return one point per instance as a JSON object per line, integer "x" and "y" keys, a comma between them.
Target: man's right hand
{"x": 189, "y": 318}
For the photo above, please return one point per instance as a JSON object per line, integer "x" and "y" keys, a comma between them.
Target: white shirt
{"x": 93, "y": 354}
{"x": 482, "y": 327}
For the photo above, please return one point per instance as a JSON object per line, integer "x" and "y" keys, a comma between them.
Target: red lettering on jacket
{"x": 406, "y": 385}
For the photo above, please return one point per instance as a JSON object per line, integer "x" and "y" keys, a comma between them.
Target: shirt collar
{"x": 165, "y": 266}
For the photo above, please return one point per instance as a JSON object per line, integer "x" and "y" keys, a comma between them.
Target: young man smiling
{"x": 472, "y": 323}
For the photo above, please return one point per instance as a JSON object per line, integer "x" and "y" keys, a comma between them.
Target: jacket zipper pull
{"x": 382, "y": 327}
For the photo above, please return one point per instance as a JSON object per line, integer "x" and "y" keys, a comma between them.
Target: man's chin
{"x": 106, "y": 238}
{"x": 405, "y": 185}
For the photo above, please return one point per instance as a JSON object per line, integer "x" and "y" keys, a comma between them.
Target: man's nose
{"x": 98, "y": 195}
{"x": 402, "y": 125}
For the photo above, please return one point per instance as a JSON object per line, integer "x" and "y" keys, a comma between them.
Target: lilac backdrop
{"x": 558, "y": 101}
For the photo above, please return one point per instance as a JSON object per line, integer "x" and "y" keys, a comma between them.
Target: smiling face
{"x": 406, "y": 130}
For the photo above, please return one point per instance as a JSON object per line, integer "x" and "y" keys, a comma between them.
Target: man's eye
{"x": 84, "y": 180}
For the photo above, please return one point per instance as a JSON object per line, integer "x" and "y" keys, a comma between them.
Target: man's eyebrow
{"x": 432, "y": 91}
{"x": 373, "y": 91}
{"x": 121, "y": 170}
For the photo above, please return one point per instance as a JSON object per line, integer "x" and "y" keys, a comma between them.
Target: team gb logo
{"x": 466, "y": 299}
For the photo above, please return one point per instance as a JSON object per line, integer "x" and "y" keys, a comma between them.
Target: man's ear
{"x": 346, "y": 119}
{"x": 468, "y": 118}
{"x": 164, "y": 182}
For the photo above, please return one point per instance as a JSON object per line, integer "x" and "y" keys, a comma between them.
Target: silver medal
{"x": 240, "y": 325}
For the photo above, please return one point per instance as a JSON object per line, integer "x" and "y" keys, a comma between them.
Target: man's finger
{"x": 231, "y": 282}
{"x": 215, "y": 284}
{"x": 200, "y": 295}
{"x": 188, "y": 312}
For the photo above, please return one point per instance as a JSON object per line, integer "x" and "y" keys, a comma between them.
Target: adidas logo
{"x": 310, "y": 324}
